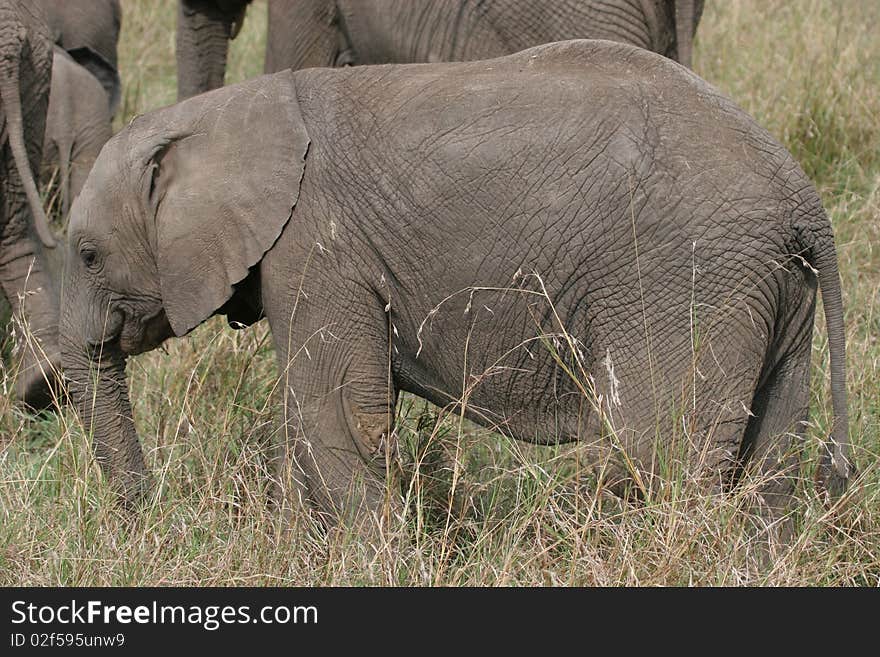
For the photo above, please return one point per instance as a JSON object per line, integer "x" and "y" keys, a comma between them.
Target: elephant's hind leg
{"x": 339, "y": 400}
{"x": 774, "y": 437}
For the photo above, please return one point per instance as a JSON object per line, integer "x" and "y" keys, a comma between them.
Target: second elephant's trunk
{"x": 203, "y": 34}
{"x": 685, "y": 25}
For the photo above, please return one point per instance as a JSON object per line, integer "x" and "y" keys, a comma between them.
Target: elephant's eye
{"x": 89, "y": 257}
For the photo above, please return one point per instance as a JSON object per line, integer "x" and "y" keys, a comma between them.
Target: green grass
{"x": 481, "y": 509}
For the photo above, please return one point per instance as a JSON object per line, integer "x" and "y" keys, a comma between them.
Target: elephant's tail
{"x": 835, "y": 469}
{"x": 9, "y": 96}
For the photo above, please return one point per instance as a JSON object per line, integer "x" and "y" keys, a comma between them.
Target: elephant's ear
{"x": 223, "y": 188}
{"x": 104, "y": 71}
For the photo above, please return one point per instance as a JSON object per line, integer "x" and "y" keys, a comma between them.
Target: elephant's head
{"x": 178, "y": 208}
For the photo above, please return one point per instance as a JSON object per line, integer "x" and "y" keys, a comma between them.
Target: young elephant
{"x": 581, "y": 241}
{"x": 88, "y": 30}
{"x": 78, "y": 124}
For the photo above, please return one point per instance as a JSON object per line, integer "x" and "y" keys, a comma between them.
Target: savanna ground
{"x": 482, "y": 509}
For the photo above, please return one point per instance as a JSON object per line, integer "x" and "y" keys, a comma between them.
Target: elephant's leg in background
{"x": 26, "y": 285}
{"x": 339, "y": 400}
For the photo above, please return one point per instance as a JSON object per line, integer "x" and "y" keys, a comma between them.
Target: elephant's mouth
{"x": 112, "y": 328}
{"x": 129, "y": 334}
{"x": 146, "y": 333}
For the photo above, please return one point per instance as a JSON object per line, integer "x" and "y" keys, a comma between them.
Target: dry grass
{"x": 482, "y": 509}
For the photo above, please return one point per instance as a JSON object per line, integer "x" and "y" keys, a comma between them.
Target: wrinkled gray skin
{"x": 396, "y": 225}
{"x": 25, "y": 70}
{"x": 305, "y": 33}
{"x": 78, "y": 125}
{"x": 89, "y": 31}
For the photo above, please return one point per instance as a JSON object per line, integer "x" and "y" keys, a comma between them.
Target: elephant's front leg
{"x": 338, "y": 399}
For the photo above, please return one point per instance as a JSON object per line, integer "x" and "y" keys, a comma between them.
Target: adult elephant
{"x": 304, "y": 33}
{"x": 516, "y": 236}
{"x": 89, "y": 31}
{"x": 25, "y": 71}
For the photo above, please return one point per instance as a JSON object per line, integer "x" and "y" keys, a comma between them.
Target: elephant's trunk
{"x": 203, "y": 34}
{"x": 9, "y": 96}
{"x": 685, "y": 25}
{"x": 100, "y": 393}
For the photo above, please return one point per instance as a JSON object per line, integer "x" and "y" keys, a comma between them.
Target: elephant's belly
{"x": 543, "y": 385}
{"x": 506, "y": 373}
{"x": 521, "y": 404}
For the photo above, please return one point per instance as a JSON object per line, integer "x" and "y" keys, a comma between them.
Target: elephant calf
{"x": 78, "y": 124}
{"x": 581, "y": 241}
{"x": 88, "y": 30}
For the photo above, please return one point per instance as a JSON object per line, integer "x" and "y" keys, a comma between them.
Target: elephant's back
{"x": 578, "y": 124}
{"x": 555, "y": 91}
{"x": 579, "y": 71}
{"x": 572, "y": 75}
